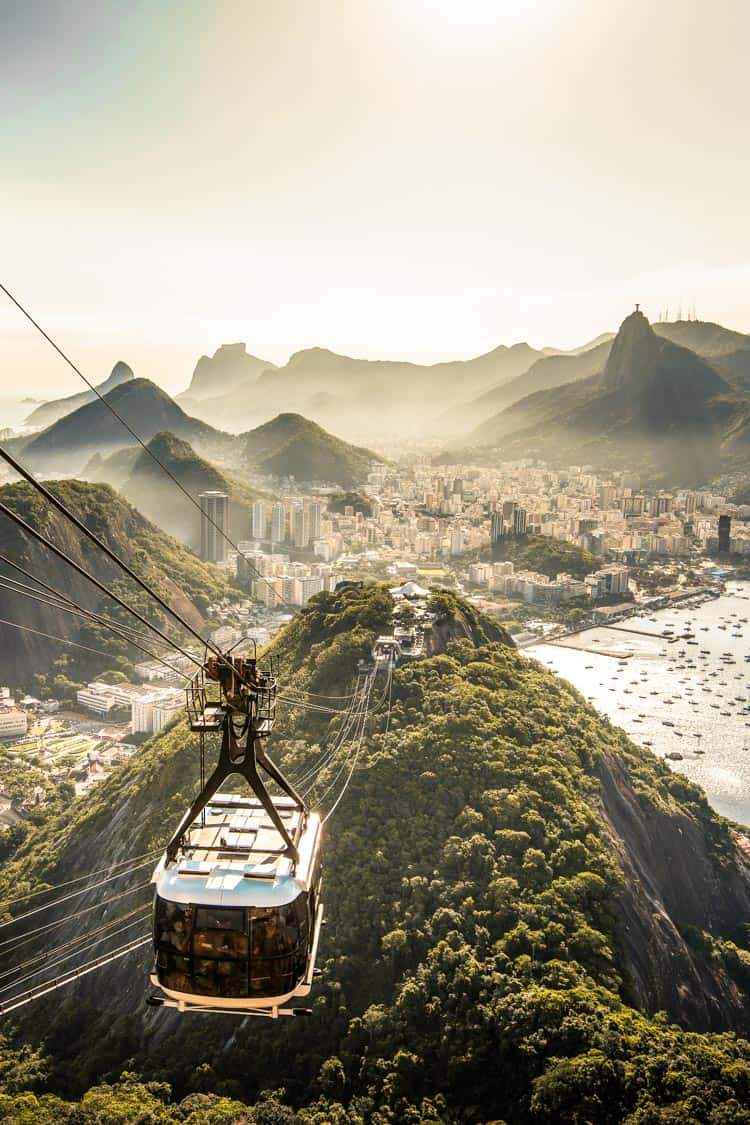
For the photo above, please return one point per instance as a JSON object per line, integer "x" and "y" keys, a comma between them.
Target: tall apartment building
{"x": 314, "y": 515}
{"x": 301, "y": 527}
{"x": 278, "y": 523}
{"x": 258, "y": 520}
{"x": 214, "y": 525}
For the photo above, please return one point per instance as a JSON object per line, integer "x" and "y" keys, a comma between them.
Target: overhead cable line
{"x": 55, "y": 593}
{"x": 87, "y": 615}
{"x": 73, "y": 975}
{"x": 340, "y": 797}
{"x": 359, "y": 722}
{"x": 5, "y": 903}
{"x": 94, "y": 389}
{"x": 80, "y": 939}
{"x": 66, "y": 950}
{"x": 74, "y": 894}
{"x": 87, "y": 942}
{"x": 26, "y": 937}
{"x": 308, "y": 778}
{"x": 81, "y": 526}
{"x": 50, "y": 637}
{"x": 95, "y": 581}
{"x": 72, "y": 518}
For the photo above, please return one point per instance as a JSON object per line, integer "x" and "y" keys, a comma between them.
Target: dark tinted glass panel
{"x": 208, "y": 951}
{"x": 216, "y": 918}
{"x": 173, "y": 925}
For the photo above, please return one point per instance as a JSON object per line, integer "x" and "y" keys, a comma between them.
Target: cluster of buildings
{"x": 14, "y": 721}
{"x": 150, "y": 708}
{"x": 538, "y": 589}
{"x": 296, "y": 547}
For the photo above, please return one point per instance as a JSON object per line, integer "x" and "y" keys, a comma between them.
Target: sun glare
{"x": 476, "y": 24}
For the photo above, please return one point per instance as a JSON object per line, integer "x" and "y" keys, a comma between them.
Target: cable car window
{"x": 219, "y": 932}
{"x": 173, "y": 924}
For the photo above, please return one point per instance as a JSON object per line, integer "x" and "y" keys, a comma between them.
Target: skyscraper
{"x": 258, "y": 520}
{"x": 314, "y": 514}
{"x": 301, "y": 527}
{"x": 214, "y": 512}
{"x": 725, "y": 525}
{"x": 519, "y": 521}
{"x": 278, "y": 523}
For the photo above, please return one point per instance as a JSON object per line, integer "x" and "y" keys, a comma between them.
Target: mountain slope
{"x": 512, "y": 887}
{"x": 547, "y": 372}
{"x": 703, "y": 336}
{"x": 149, "y": 489}
{"x": 359, "y": 396}
{"x": 186, "y": 582}
{"x": 222, "y": 385}
{"x": 50, "y": 412}
{"x": 290, "y": 445}
{"x": 653, "y": 399}
{"x": 68, "y": 444}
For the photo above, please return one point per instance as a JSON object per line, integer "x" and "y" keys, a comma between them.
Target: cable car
{"x": 237, "y": 912}
{"x": 386, "y": 651}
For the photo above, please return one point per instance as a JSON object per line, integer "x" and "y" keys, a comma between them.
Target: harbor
{"x": 676, "y": 680}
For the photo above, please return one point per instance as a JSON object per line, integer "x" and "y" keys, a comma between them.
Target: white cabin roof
{"x": 236, "y": 858}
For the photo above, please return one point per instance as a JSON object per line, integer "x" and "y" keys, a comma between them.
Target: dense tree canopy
{"x": 477, "y": 966}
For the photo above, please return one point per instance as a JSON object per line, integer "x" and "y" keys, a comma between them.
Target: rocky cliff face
{"x": 675, "y": 883}
{"x": 230, "y": 368}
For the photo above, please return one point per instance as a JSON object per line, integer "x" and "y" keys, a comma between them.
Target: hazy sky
{"x": 422, "y": 179}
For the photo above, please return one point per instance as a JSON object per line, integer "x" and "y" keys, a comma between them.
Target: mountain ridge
{"x": 48, "y": 412}
{"x": 653, "y": 397}
{"x": 69, "y": 443}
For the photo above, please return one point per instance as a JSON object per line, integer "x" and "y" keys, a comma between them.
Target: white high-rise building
{"x": 278, "y": 523}
{"x": 258, "y": 520}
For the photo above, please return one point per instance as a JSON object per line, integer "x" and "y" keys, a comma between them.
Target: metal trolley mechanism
{"x": 237, "y": 916}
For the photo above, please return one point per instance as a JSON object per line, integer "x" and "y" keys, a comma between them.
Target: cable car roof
{"x": 236, "y": 858}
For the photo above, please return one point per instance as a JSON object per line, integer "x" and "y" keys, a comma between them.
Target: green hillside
{"x": 68, "y": 444}
{"x": 545, "y": 555}
{"x": 514, "y": 891}
{"x": 173, "y": 571}
{"x": 290, "y": 445}
{"x": 151, "y": 491}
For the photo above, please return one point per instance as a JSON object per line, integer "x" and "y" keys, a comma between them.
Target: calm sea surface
{"x": 682, "y": 694}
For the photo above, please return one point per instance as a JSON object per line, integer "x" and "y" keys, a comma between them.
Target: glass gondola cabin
{"x": 236, "y": 921}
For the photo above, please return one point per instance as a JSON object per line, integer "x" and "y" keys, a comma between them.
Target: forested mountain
{"x": 728, "y": 350}
{"x": 49, "y": 412}
{"x": 290, "y": 445}
{"x": 514, "y": 891}
{"x": 176, "y": 574}
{"x": 151, "y": 491}
{"x": 68, "y": 444}
{"x": 654, "y": 401}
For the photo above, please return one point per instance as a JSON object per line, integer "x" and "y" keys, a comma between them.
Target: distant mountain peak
{"x": 48, "y": 412}
{"x": 229, "y": 368}
{"x": 120, "y": 373}
{"x": 634, "y": 349}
